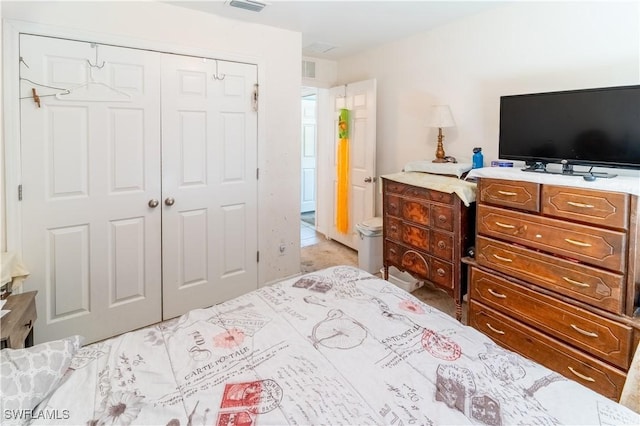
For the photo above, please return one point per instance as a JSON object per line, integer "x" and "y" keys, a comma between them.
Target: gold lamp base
{"x": 440, "y": 148}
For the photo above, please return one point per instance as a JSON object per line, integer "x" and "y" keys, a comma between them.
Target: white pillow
{"x": 28, "y": 375}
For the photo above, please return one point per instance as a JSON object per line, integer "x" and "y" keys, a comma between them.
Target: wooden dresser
{"x": 16, "y": 327}
{"x": 556, "y": 277}
{"x": 426, "y": 232}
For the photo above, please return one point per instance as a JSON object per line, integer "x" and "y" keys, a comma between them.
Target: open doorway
{"x": 317, "y": 250}
{"x": 308, "y": 166}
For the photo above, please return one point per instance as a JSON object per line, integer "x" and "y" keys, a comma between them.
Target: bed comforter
{"x": 338, "y": 347}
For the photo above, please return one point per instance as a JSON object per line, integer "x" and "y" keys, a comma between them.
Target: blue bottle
{"x": 478, "y": 158}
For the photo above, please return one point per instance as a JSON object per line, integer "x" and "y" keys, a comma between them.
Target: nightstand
{"x": 16, "y": 327}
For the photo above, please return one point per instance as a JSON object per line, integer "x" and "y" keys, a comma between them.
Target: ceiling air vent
{"x": 320, "y": 47}
{"x": 308, "y": 69}
{"x": 252, "y": 5}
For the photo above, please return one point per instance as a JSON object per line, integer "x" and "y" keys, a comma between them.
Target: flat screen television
{"x": 592, "y": 127}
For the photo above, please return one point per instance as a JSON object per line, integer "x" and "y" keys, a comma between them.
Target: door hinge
{"x": 20, "y": 192}
{"x": 258, "y": 173}
{"x": 255, "y": 97}
{"x": 258, "y": 256}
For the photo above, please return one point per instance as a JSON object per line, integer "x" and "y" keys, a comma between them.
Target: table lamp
{"x": 440, "y": 116}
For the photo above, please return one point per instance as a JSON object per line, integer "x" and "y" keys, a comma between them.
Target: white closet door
{"x": 209, "y": 160}
{"x": 90, "y": 165}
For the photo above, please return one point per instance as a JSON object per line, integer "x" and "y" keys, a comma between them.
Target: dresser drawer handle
{"x": 584, "y": 206}
{"x": 505, "y": 225}
{"x": 582, "y": 376}
{"x": 393, "y": 251}
{"x": 577, "y": 243}
{"x": 503, "y": 259}
{"x": 442, "y": 245}
{"x": 576, "y": 283}
{"x": 393, "y": 206}
{"x": 442, "y": 218}
{"x": 581, "y": 331}
{"x": 510, "y": 194}
{"x": 440, "y": 272}
{"x": 495, "y": 330}
{"x": 496, "y": 294}
{"x": 394, "y": 228}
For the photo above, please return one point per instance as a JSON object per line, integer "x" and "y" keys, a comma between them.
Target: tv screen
{"x": 596, "y": 127}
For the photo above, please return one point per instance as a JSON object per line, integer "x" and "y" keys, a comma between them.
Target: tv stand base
{"x": 567, "y": 170}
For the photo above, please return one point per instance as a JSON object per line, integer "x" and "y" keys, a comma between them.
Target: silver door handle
{"x": 169, "y": 201}
{"x": 369, "y": 179}
{"x": 153, "y": 203}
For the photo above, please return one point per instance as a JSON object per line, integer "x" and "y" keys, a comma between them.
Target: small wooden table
{"x": 16, "y": 327}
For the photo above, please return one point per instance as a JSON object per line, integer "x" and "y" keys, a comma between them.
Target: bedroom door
{"x": 90, "y": 166}
{"x": 209, "y": 183}
{"x": 360, "y": 99}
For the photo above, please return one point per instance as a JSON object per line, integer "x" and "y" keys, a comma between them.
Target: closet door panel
{"x": 236, "y": 129}
{"x": 90, "y": 165}
{"x": 209, "y": 163}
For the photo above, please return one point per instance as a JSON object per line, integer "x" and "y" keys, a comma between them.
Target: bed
{"x": 338, "y": 346}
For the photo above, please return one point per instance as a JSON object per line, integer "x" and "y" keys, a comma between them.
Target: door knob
{"x": 169, "y": 201}
{"x": 369, "y": 179}
{"x": 153, "y": 203}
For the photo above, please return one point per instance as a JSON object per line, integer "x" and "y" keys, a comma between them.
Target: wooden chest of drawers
{"x": 426, "y": 233}
{"x": 556, "y": 277}
{"x": 16, "y": 327}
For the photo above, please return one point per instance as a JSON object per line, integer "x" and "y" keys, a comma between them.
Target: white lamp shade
{"x": 440, "y": 116}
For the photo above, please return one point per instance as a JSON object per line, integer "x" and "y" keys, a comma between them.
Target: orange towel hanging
{"x": 342, "y": 195}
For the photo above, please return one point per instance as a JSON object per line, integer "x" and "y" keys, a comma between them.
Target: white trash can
{"x": 370, "y": 250}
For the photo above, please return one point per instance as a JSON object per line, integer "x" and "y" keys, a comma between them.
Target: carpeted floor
{"x": 325, "y": 254}
{"x": 330, "y": 253}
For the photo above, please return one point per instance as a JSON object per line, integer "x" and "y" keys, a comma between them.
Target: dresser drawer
{"x": 420, "y": 264}
{"x": 408, "y": 259}
{"x": 415, "y": 236}
{"x": 392, "y": 205}
{"x": 547, "y": 351}
{"x": 393, "y": 187}
{"x": 415, "y": 211}
{"x": 600, "y": 288}
{"x": 606, "y": 339}
{"x": 441, "y": 197}
{"x": 411, "y": 191}
{"x": 608, "y": 209}
{"x": 442, "y": 217}
{"x": 600, "y": 247}
{"x": 415, "y": 262}
{"x": 514, "y": 194}
{"x": 392, "y": 228}
{"x": 441, "y": 273}
{"x": 441, "y": 245}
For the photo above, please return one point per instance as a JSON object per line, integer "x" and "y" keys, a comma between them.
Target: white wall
{"x": 468, "y": 64}
{"x": 326, "y": 73}
{"x": 278, "y": 53}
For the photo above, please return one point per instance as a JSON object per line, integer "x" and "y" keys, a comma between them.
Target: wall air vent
{"x": 252, "y": 5}
{"x": 308, "y": 69}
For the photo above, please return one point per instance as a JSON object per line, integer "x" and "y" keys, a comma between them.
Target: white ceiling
{"x": 352, "y": 26}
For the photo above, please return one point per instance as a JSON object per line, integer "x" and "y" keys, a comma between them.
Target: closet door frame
{"x": 11, "y": 105}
